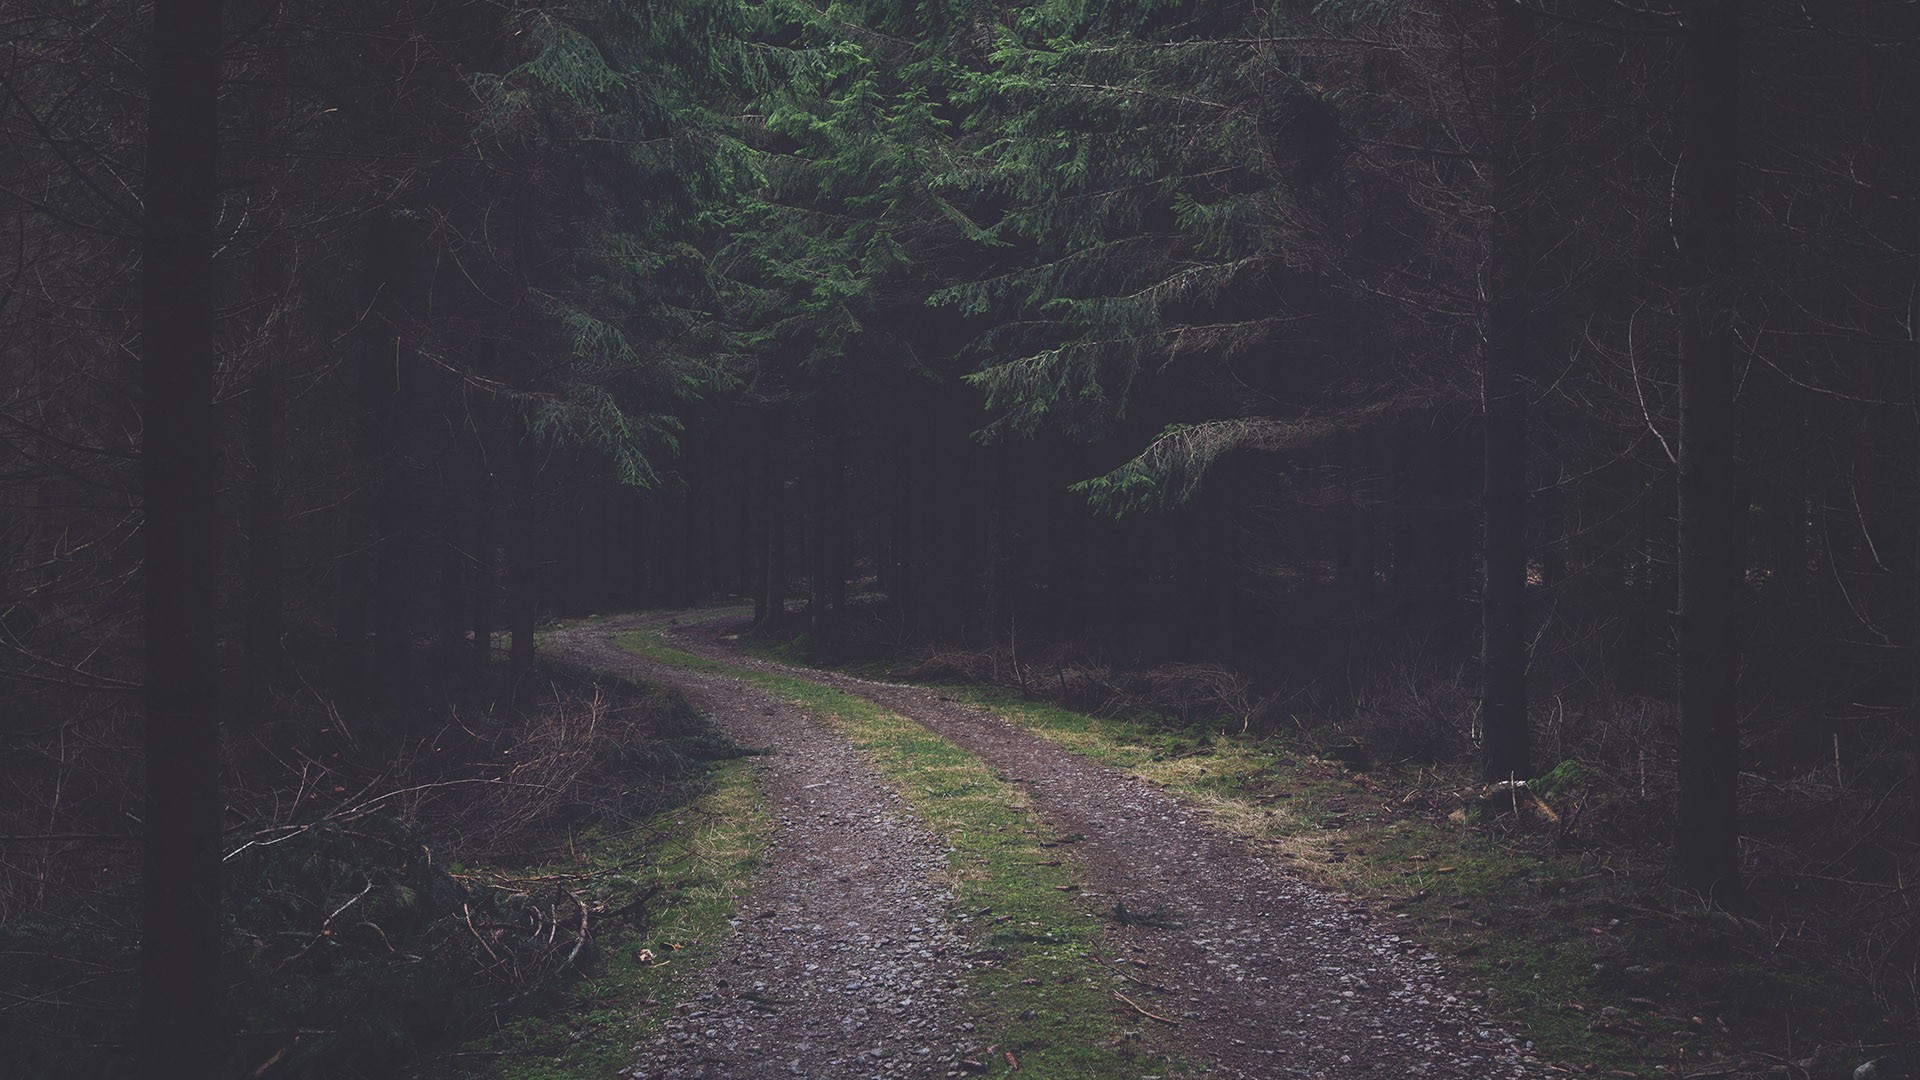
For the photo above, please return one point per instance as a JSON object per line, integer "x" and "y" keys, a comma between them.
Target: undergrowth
{"x": 1554, "y": 907}
{"x": 397, "y": 879}
{"x": 676, "y": 880}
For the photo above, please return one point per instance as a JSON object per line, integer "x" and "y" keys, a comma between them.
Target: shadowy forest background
{"x": 1494, "y": 382}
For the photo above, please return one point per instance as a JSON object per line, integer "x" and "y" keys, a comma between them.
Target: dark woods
{"x": 1529, "y": 382}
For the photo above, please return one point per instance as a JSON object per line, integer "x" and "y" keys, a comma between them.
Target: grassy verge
{"x": 1562, "y": 917}
{"x": 692, "y": 863}
{"x": 1043, "y": 999}
{"x": 1604, "y": 965}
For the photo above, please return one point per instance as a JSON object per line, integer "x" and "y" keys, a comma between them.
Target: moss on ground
{"x": 694, "y": 863}
{"x": 1604, "y": 966}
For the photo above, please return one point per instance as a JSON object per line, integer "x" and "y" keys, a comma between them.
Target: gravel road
{"x": 843, "y": 962}
{"x": 1268, "y": 976}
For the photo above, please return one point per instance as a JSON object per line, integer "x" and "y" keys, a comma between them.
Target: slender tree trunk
{"x": 754, "y": 493}
{"x": 900, "y": 509}
{"x": 826, "y": 569}
{"x": 369, "y": 513}
{"x": 486, "y": 459}
{"x": 1358, "y": 535}
{"x": 995, "y": 611}
{"x": 646, "y": 565}
{"x": 522, "y": 556}
{"x": 1913, "y": 586}
{"x": 395, "y": 575}
{"x": 835, "y": 477}
{"x": 775, "y": 476}
{"x": 486, "y": 585}
{"x": 182, "y": 1024}
{"x": 693, "y": 578}
{"x": 266, "y": 443}
{"x": 453, "y": 589}
{"x": 1708, "y": 825}
{"x": 1504, "y": 751}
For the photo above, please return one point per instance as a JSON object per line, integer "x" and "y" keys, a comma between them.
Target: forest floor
{"x": 948, "y": 894}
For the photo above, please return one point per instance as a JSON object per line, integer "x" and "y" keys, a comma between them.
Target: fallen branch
{"x": 580, "y": 940}
{"x": 1149, "y": 1015}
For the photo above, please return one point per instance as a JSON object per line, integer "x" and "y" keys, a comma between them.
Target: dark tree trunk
{"x": 486, "y": 586}
{"x": 693, "y": 579}
{"x": 1913, "y": 645}
{"x": 834, "y": 477}
{"x": 775, "y": 477}
{"x": 754, "y": 494}
{"x": 646, "y": 553}
{"x": 522, "y": 553}
{"x": 1708, "y": 824}
{"x": 182, "y": 1024}
{"x": 485, "y": 449}
{"x": 395, "y": 575}
{"x": 826, "y": 569}
{"x": 899, "y": 563}
{"x": 369, "y": 510}
{"x": 266, "y": 443}
{"x": 1504, "y": 753}
{"x": 453, "y": 590}
{"x": 1913, "y": 584}
{"x": 996, "y": 612}
{"x": 1357, "y": 539}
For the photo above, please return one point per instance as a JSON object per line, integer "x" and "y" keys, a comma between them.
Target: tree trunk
{"x": 996, "y": 611}
{"x": 266, "y": 444}
{"x": 486, "y": 586}
{"x": 899, "y": 572}
{"x": 522, "y": 540}
{"x": 1504, "y": 753}
{"x": 453, "y": 589}
{"x": 1708, "y": 826}
{"x": 754, "y": 494}
{"x": 775, "y": 477}
{"x": 485, "y": 448}
{"x": 834, "y": 477}
{"x": 394, "y": 548}
{"x": 1357, "y": 539}
{"x": 826, "y": 570}
{"x": 182, "y": 1025}
{"x": 693, "y": 578}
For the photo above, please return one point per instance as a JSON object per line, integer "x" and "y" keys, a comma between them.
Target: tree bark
{"x": 996, "y": 611}
{"x": 775, "y": 477}
{"x": 486, "y": 513}
{"x": 1708, "y": 825}
{"x": 826, "y": 568}
{"x": 693, "y": 577}
{"x": 900, "y": 513}
{"x": 486, "y": 587}
{"x": 266, "y": 445}
{"x": 390, "y": 394}
{"x": 523, "y": 539}
{"x": 182, "y": 1026}
{"x": 1504, "y": 751}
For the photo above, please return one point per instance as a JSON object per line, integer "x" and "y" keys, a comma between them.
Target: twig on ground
{"x": 1149, "y": 1015}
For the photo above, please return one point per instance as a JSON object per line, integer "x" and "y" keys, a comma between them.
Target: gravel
{"x": 843, "y": 962}
{"x": 1268, "y": 976}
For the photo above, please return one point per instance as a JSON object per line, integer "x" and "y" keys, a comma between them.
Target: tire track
{"x": 843, "y": 962}
{"x": 1269, "y": 977}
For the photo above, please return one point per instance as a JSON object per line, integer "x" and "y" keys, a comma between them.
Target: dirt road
{"x": 1268, "y": 977}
